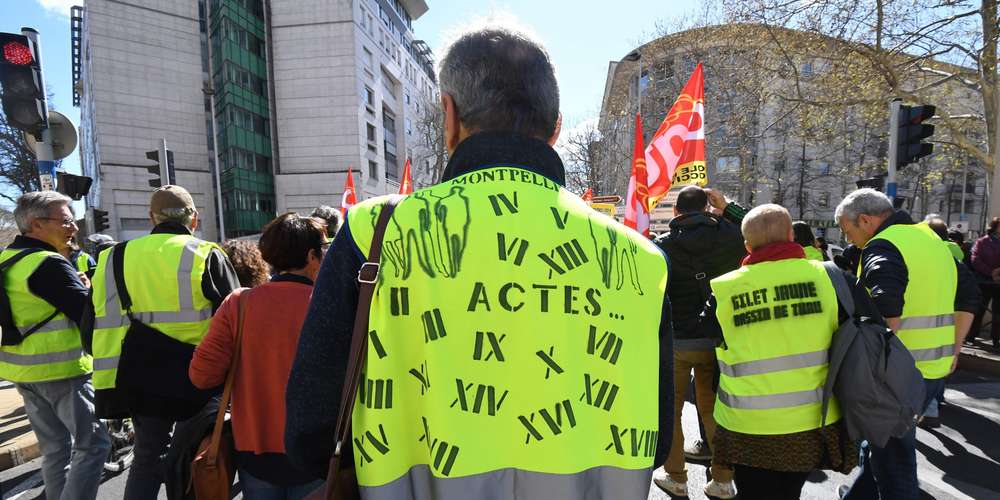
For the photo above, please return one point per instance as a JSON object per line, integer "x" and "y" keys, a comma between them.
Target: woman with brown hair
{"x": 273, "y": 315}
{"x": 249, "y": 265}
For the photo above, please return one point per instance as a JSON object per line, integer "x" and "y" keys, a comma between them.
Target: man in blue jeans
{"x": 927, "y": 297}
{"x": 49, "y": 307}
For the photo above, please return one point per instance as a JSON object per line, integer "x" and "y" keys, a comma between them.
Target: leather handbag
{"x": 341, "y": 479}
{"x": 213, "y": 469}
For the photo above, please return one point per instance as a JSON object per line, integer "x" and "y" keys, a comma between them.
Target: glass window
{"x": 371, "y": 132}
{"x": 372, "y": 169}
{"x": 823, "y": 167}
{"x": 727, "y": 164}
{"x": 369, "y": 96}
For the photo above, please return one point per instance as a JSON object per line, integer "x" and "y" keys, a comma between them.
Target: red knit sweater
{"x": 274, "y": 312}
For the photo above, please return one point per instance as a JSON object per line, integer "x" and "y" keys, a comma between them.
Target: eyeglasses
{"x": 64, "y": 222}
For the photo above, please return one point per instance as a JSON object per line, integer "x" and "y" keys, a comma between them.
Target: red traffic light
{"x": 17, "y": 53}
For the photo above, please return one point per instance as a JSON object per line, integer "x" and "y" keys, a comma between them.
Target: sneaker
{"x": 698, "y": 451}
{"x": 668, "y": 485}
{"x": 843, "y": 490}
{"x": 719, "y": 489}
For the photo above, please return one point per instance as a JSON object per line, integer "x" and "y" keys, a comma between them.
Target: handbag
{"x": 213, "y": 470}
{"x": 341, "y": 479}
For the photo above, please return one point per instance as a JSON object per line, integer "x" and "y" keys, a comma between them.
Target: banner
{"x": 676, "y": 153}
{"x": 637, "y": 199}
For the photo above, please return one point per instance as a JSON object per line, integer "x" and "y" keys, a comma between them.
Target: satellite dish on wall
{"x": 62, "y": 133}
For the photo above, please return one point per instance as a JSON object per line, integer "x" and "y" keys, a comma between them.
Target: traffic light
{"x": 160, "y": 170}
{"x": 74, "y": 186}
{"x": 876, "y": 183}
{"x": 910, "y": 131}
{"x": 100, "y": 220}
{"x": 21, "y": 77}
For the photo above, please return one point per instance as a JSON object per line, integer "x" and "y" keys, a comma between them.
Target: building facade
{"x": 266, "y": 103}
{"x": 763, "y": 144}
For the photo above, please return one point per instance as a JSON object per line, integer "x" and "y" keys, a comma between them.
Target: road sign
{"x": 63, "y": 136}
{"x": 605, "y": 208}
{"x": 613, "y": 199}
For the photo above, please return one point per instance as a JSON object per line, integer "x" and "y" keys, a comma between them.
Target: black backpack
{"x": 873, "y": 375}
{"x": 10, "y": 334}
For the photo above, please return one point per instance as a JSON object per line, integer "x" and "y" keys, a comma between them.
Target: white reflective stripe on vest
{"x": 592, "y": 484}
{"x": 780, "y": 363}
{"x": 915, "y": 322}
{"x": 109, "y": 363}
{"x": 113, "y": 317}
{"x": 771, "y": 401}
{"x": 932, "y": 353}
{"x": 40, "y": 359}
{"x": 51, "y": 326}
{"x": 184, "y": 297}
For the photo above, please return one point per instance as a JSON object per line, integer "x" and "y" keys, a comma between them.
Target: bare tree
{"x": 431, "y": 157}
{"x": 942, "y": 53}
{"x": 18, "y": 172}
{"x": 579, "y": 147}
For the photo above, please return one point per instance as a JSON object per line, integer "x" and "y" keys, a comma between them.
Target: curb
{"x": 978, "y": 362}
{"x": 19, "y": 453}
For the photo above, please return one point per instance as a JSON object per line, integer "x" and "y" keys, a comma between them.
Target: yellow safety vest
{"x": 514, "y": 339}
{"x": 163, "y": 276}
{"x": 927, "y": 324}
{"x": 778, "y": 319}
{"x": 813, "y": 253}
{"x": 54, "y": 351}
{"x": 83, "y": 262}
{"x": 956, "y": 250}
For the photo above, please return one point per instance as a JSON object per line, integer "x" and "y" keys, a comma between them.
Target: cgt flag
{"x": 588, "y": 195}
{"x": 676, "y": 154}
{"x": 406, "y": 186}
{"x": 637, "y": 199}
{"x": 350, "y": 198}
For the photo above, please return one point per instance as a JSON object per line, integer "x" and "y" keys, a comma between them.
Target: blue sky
{"x": 582, "y": 37}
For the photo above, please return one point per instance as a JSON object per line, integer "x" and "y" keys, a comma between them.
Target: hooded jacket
{"x": 700, "y": 246}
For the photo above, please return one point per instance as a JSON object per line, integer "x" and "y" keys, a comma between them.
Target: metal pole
{"x": 210, "y": 92}
{"x": 965, "y": 182}
{"x": 44, "y": 157}
{"x": 890, "y": 181}
{"x": 164, "y": 164}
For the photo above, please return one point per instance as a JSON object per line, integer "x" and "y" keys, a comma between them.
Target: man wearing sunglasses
{"x": 42, "y": 352}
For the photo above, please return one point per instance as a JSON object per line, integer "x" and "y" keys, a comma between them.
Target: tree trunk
{"x": 991, "y": 96}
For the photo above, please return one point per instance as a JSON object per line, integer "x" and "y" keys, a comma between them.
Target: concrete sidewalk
{"x": 981, "y": 357}
{"x": 17, "y": 443}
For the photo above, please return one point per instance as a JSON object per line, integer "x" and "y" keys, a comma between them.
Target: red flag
{"x": 406, "y": 186}
{"x": 350, "y": 198}
{"x": 588, "y": 195}
{"x": 676, "y": 154}
{"x": 637, "y": 199}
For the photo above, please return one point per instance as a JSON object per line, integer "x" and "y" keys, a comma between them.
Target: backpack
{"x": 872, "y": 374}
{"x": 10, "y": 334}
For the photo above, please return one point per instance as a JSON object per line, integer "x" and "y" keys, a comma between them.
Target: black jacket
{"x": 217, "y": 281}
{"x": 313, "y": 395}
{"x": 700, "y": 246}
{"x": 884, "y": 273}
{"x": 55, "y": 281}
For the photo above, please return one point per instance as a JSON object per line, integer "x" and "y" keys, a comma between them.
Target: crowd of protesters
{"x": 480, "y": 335}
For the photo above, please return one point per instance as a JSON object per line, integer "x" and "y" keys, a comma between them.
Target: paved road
{"x": 960, "y": 460}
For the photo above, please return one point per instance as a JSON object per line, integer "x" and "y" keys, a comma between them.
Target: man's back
{"x": 512, "y": 328}
{"x": 698, "y": 243}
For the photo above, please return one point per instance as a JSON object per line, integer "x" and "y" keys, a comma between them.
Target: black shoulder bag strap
{"x": 118, "y": 268}
{"x": 7, "y": 264}
{"x": 836, "y": 359}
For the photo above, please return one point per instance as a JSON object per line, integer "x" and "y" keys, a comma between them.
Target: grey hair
{"x": 183, "y": 216}
{"x": 330, "y": 216}
{"x": 36, "y": 205}
{"x": 864, "y": 201}
{"x": 501, "y": 80}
